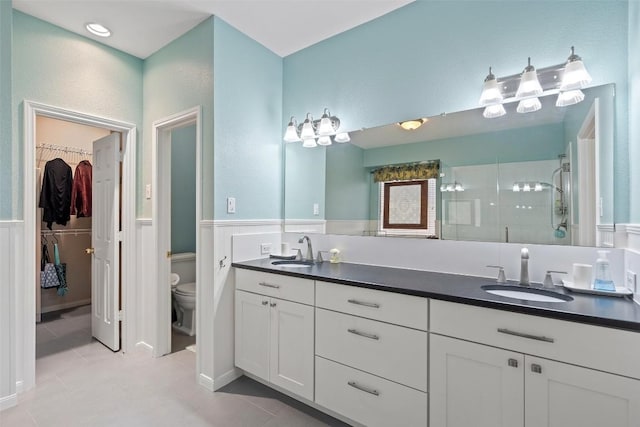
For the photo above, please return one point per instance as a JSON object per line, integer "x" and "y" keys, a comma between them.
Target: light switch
{"x": 147, "y": 191}
{"x": 316, "y": 209}
{"x": 231, "y": 205}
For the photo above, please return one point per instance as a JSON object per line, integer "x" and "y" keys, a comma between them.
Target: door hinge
{"x": 120, "y": 315}
{"x": 119, "y": 236}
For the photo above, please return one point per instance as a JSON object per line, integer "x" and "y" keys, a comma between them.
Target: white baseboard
{"x": 226, "y": 378}
{"x": 65, "y": 305}
{"x": 19, "y": 387}
{"x": 206, "y": 382}
{"x": 8, "y": 401}
{"x": 144, "y": 347}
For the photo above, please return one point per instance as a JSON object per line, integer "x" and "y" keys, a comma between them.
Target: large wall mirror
{"x": 543, "y": 177}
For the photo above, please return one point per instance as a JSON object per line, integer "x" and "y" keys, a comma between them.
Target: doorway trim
{"x": 161, "y": 185}
{"x": 26, "y": 321}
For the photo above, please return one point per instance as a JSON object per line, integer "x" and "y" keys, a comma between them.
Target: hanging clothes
{"x": 81, "y": 192}
{"x": 55, "y": 195}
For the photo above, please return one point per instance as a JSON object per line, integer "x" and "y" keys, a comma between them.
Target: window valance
{"x": 407, "y": 172}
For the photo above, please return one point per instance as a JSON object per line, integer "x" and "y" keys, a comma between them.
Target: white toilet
{"x": 183, "y": 291}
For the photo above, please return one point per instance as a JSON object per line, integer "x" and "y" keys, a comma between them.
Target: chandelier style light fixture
{"x": 316, "y": 132}
{"x": 567, "y": 79}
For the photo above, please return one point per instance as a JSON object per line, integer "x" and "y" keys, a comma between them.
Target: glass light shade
{"x": 490, "y": 93}
{"x": 529, "y": 105}
{"x": 529, "y": 85}
{"x": 450, "y": 187}
{"x": 575, "y": 76}
{"x": 443, "y": 187}
{"x": 569, "y": 97}
{"x": 516, "y": 187}
{"x": 325, "y": 127}
{"x": 459, "y": 187}
{"x": 537, "y": 187}
{"x": 342, "y": 137}
{"x": 291, "y": 135}
{"x": 309, "y": 143}
{"x": 526, "y": 187}
{"x": 324, "y": 140}
{"x": 307, "y": 130}
{"x": 493, "y": 111}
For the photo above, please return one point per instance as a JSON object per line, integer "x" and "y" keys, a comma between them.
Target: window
{"x": 408, "y": 207}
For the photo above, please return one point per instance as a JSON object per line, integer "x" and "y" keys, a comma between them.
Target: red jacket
{"x": 81, "y": 191}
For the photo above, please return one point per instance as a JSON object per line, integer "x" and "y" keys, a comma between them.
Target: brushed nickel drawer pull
{"x": 273, "y": 304}
{"x": 513, "y": 363}
{"x": 366, "y": 304}
{"x": 365, "y": 389}
{"x": 265, "y": 302}
{"x": 363, "y": 334}
{"x": 535, "y": 368}
{"x": 269, "y": 285}
{"x": 523, "y": 335}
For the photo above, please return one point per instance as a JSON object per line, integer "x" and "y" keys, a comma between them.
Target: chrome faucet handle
{"x": 299, "y": 254}
{"x": 501, "y": 277}
{"x": 548, "y": 279}
{"x": 319, "y": 258}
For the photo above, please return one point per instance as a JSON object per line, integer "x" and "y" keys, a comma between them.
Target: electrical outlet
{"x": 265, "y": 248}
{"x": 631, "y": 281}
{"x": 316, "y": 209}
{"x": 231, "y": 205}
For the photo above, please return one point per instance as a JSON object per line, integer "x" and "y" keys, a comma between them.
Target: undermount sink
{"x": 526, "y": 293}
{"x": 293, "y": 263}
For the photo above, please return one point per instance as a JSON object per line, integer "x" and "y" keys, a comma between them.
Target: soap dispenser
{"x": 603, "y": 280}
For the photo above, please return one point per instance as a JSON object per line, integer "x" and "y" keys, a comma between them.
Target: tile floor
{"x": 82, "y": 383}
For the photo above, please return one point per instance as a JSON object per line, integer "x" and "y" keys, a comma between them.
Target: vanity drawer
{"x": 368, "y": 399}
{"x": 393, "y": 352}
{"x": 405, "y": 310}
{"x": 276, "y": 285}
{"x": 591, "y": 346}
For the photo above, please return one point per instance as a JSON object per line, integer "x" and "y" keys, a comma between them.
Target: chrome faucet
{"x": 309, "y": 256}
{"x": 524, "y": 267}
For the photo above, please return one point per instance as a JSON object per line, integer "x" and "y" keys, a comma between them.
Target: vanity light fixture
{"x": 453, "y": 187}
{"x": 412, "y": 124}
{"x": 315, "y": 132}
{"x": 98, "y": 29}
{"x": 566, "y": 79}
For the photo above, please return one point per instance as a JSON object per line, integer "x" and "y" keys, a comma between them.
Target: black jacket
{"x": 55, "y": 196}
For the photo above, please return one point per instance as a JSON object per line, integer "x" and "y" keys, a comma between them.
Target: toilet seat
{"x": 186, "y": 289}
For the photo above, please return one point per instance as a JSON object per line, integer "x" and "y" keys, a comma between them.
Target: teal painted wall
{"x": 183, "y": 189}
{"x": 427, "y": 58}
{"x": 305, "y": 182}
{"x": 347, "y": 183}
{"x": 634, "y": 110}
{"x": 176, "y": 78}
{"x": 248, "y": 135}
{"x": 57, "y": 67}
{"x": 6, "y": 175}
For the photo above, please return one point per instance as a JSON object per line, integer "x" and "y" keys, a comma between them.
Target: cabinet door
{"x": 292, "y": 329}
{"x": 561, "y": 395}
{"x": 252, "y": 333}
{"x": 474, "y": 385}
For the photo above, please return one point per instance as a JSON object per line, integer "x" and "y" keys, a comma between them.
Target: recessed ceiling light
{"x": 98, "y": 29}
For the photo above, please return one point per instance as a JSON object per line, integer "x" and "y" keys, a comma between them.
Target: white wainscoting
{"x": 606, "y": 235}
{"x": 217, "y": 362}
{"x": 305, "y": 226}
{"x": 11, "y": 282}
{"x": 145, "y": 288}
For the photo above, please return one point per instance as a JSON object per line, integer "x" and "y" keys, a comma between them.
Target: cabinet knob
{"x": 273, "y": 304}
{"x": 536, "y": 368}
{"x": 513, "y": 363}
{"x": 265, "y": 302}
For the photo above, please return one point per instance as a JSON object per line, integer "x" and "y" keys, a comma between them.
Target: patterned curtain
{"x": 407, "y": 172}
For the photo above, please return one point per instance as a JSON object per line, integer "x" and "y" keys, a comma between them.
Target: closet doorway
{"x": 95, "y": 257}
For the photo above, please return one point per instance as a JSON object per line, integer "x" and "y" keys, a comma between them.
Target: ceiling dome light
{"x": 529, "y": 84}
{"x": 412, "y": 124}
{"x": 490, "y": 91}
{"x": 493, "y": 111}
{"x": 529, "y": 105}
{"x": 575, "y": 74}
{"x": 98, "y": 29}
{"x": 569, "y": 97}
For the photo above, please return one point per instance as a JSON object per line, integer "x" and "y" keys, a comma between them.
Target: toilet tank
{"x": 184, "y": 265}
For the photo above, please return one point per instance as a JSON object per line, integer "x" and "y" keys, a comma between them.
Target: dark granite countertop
{"x": 615, "y": 312}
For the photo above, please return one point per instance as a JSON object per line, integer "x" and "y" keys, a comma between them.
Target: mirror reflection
{"x": 542, "y": 177}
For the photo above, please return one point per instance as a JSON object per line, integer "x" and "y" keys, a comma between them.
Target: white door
{"x": 561, "y": 395}
{"x": 105, "y": 268}
{"x": 292, "y": 355}
{"x": 252, "y": 333}
{"x": 475, "y": 385}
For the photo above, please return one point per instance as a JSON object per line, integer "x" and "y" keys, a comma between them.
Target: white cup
{"x": 284, "y": 248}
{"x": 582, "y": 275}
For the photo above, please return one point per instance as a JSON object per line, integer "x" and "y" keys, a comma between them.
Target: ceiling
{"x": 141, "y": 27}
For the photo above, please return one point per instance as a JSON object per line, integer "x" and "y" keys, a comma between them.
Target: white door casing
{"x": 105, "y": 233}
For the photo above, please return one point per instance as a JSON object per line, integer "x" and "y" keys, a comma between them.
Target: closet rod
{"x": 74, "y": 232}
{"x": 64, "y": 149}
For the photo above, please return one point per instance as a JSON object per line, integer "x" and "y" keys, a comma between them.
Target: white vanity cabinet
{"x": 512, "y": 381}
{"x": 371, "y": 355}
{"x": 274, "y": 336}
